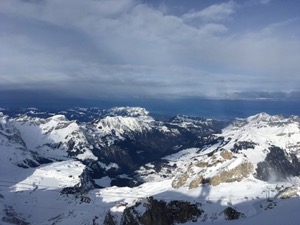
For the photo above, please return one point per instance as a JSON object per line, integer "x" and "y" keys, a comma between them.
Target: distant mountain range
{"x": 126, "y": 166}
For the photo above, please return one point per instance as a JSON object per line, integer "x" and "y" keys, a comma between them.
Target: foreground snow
{"x": 36, "y": 197}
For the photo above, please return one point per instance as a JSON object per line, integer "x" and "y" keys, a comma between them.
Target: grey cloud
{"x": 125, "y": 48}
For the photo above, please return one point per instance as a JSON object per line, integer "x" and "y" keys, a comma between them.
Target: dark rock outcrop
{"x": 109, "y": 219}
{"x": 85, "y": 185}
{"x": 86, "y": 182}
{"x": 11, "y": 217}
{"x": 159, "y": 212}
{"x": 277, "y": 165}
{"x": 243, "y": 145}
{"x": 232, "y": 214}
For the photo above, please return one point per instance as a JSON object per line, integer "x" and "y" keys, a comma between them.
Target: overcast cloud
{"x": 109, "y": 48}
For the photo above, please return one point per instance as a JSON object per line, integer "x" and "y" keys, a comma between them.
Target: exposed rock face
{"x": 161, "y": 213}
{"x": 243, "y": 145}
{"x": 288, "y": 192}
{"x": 196, "y": 182}
{"x": 179, "y": 181}
{"x": 85, "y": 185}
{"x": 277, "y": 165}
{"x": 222, "y": 167}
{"x": 236, "y": 174}
{"x": 109, "y": 219}
{"x": 232, "y": 214}
{"x": 86, "y": 182}
{"x": 226, "y": 154}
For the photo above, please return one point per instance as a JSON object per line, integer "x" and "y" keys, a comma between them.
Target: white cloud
{"x": 216, "y": 12}
{"x": 256, "y": 2}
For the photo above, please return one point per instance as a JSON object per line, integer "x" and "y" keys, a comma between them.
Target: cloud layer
{"x": 112, "y": 48}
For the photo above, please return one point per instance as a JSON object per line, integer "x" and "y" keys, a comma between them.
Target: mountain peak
{"x": 127, "y": 111}
{"x": 266, "y": 118}
{"x": 185, "y": 118}
{"x": 259, "y": 117}
{"x": 59, "y": 118}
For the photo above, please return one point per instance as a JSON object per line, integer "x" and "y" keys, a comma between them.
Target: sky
{"x": 56, "y": 51}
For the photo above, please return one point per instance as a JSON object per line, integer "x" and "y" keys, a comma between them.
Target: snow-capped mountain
{"x": 130, "y": 137}
{"x": 122, "y": 166}
{"x": 116, "y": 142}
{"x": 50, "y": 139}
{"x": 258, "y": 140}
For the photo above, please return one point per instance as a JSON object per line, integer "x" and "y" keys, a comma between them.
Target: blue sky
{"x": 93, "y": 50}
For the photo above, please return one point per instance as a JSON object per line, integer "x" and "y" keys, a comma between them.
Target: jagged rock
{"x": 109, "y": 219}
{"x": 201, "y": 164}
{"x": 85, "y": 185}
{"x": 295, "y": 163}
{"x": 86, "y": 182}
{"x": 214, "y": 160}
{"x": 70, "y": 190}
{"x": 243, "y": 145}
{"x": 288, "y": 193}
{"x": 180, "y": 180}
{"x": 230, "y": 169}
{"x": 238, "y": 173}
{"x": 159, "y": 212}
{"x": 227, "y": 155}
{"x": 264, "y": 171}
{"x": 129, "y": 217}
{"x": 196, "y": 182}
{"x": 232, "y": 214}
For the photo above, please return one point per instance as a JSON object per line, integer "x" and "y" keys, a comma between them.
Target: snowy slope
{"x": 225, "y": 173}
{"x": 53, "y": 138}
{"x": 266, "y": 130}
{"x": 116, "y": 127}
{"x": 34, "y": 193}
{"x": 38, "y": 201}
{"x": 247, "y": 139}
